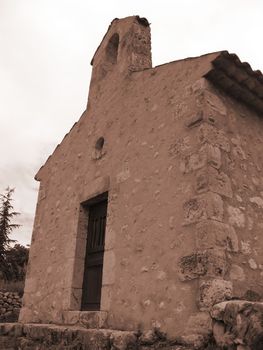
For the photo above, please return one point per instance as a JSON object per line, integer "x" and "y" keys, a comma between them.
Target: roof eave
{"x": 237, "y": 79}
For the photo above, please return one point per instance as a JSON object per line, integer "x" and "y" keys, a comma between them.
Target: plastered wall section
{"x": 159, "y": 149}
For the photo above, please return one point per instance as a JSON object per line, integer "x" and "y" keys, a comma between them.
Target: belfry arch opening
{"x": 112, "y": 48}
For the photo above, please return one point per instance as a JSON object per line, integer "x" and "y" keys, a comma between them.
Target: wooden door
{"x": 92, "y": 281}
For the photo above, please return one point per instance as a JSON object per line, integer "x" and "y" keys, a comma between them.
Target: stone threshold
{"x": 87, "y": 319}
{"x": 14, "y": 336}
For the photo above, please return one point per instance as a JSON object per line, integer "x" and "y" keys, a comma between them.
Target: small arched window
{"x": 112, "y": 48}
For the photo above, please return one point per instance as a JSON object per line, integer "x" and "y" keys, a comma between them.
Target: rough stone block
{"x": 210, "y": 233}
{"x": 205, "y": 206}
{"x": 213, "y": 155}
{"x": 195, "y": 120}
{"x": 108, "y": 268}
{"x": 258, "y": 201}
{"x": 210, "y": 263}
{"x": 148, "y": 337}
{"x": 31, "y": 285}
{"x": 110, "y": 238}
{"x": 193, "y": 162}
{"x": 200, "y": 323}
{"x": 216, "y": 181}
{"x": 242, "y": 321}
{"x": 65, "y": 337}
{"x": 200, "y": 86}
{"x": 237, "y": 273}
{"x": 8, "y": 343}
{"x": 193, "y": 341}
{"x": 214, "y": 136}
{"x": 219, "y": 333}
{"x": 207, "y": 155}
{"x": 123, "y": 340}
{"x": 243, "y": 347}
{"x": 12, "y": 329}
{"x": 191, "y": 267}
{"x": 236, "y": 216}
{"x": 106, "y": 296}
{"x": 80, "y": 249}
{"x": 251, "y": 295}
{"x": 214, "y": 291}
{"x": 93, "y": 319}
{"x": 35, "y": 332}
{"x": 218, "y": 310}
{"x": 94, "y": 338}
{"x": 70, "y": 317}
{"x": 98, "y": 186}
{"x": 181, "y": 147}
{"x": 27, "y": 315}
{"x": 78, "y": 272}
{"x": 75, "y": 298}
{"x": 216, "y": 103}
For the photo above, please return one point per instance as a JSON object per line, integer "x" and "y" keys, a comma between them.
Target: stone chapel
{"x": 149, "y": 212}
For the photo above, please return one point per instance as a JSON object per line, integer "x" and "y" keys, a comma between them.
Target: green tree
{"x": 6, "y": 227}
{"x": 17, "y": 258}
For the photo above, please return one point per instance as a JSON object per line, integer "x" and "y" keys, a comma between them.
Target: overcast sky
{"x": 46, "y": 47}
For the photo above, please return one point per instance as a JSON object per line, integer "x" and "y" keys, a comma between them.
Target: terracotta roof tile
{"x": 238, "y": 79}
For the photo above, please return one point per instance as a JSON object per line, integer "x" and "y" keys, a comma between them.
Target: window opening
{"x": 112, "y": 48}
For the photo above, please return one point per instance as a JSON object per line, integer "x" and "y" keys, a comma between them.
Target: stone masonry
{"x": 10, "y": 304}
{"x": 178, "y": 149}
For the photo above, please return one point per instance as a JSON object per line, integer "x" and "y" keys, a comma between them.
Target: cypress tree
{"x": 6, "y": 227}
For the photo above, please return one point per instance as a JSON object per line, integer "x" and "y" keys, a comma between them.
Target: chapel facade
{"x": 150, "y": 210}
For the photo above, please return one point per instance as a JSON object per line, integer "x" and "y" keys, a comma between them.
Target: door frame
{"x": 103, "y": 197}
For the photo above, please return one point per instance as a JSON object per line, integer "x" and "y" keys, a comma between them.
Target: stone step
{"x": 15, "y": 336}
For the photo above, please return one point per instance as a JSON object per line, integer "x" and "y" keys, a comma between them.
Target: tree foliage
{"x": 6, "y": 215}
{"x": 13, "y": 260}
{"x": 16, "y": 259}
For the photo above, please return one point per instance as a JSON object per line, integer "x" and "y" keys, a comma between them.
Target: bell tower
{"x": 125, "y": 48}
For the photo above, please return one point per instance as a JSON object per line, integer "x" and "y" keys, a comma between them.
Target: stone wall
{"x": 226, "y": 208}
{"x": 146, "y": 119}
{"x": 10, "y": 304}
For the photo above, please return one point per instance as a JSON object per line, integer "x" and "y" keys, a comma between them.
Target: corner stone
{"x": 213, "y": 292}
{"x": 211, "y": 234}
{"x": 202, "y": 207}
